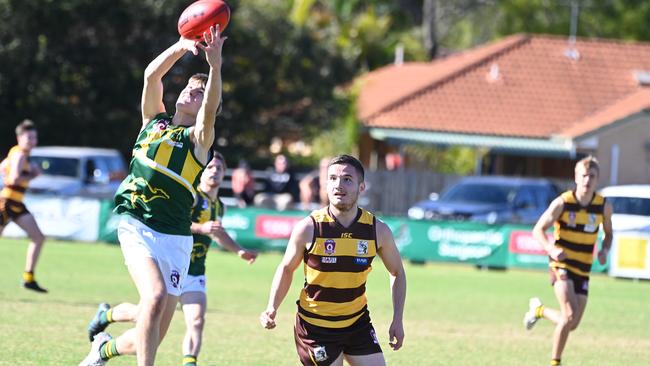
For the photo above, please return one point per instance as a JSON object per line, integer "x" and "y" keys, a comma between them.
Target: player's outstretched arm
{"x": 302, "y": 234}
{"x": 393, "y": 263}
{"x": 221, "y": 237}
{"x": 545, "y": 221}
{"x": 152, "y": 91}
{"x": 204, "y": 129}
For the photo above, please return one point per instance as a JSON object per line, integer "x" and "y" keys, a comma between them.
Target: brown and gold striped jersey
{"x": 576, "y": 231}
{"x": 337, "y": 264}
{"x": 14, "y": 192}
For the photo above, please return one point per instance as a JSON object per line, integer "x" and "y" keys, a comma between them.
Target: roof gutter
{"x": 554, "y": 146}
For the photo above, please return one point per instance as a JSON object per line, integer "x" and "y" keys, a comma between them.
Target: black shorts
{"x": 322, "y": 346}
{"x": 10, "y": 210}
{"x": 580, "y": 283}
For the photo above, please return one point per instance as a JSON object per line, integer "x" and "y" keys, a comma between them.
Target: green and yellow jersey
{"x": 163, "y": 173}
{"x": 337, "y": 264}
{"x": 576, "y": 231}
{"x": 205, "y": 210}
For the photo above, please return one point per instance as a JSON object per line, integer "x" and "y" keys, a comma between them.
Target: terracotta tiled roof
{"x": 520, "y": 86}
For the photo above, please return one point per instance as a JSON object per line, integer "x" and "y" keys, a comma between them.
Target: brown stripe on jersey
{"x": 593, "y": 208}
{"x": 342, "y": 264}
{"x": 330, "y": 318}
{"x": 357, "y": 230}
{"x": 339, "y": 295}
{"x": 17, "y": 188}
{"x": 585, "y": 267}
{"x": 583, "y": 248}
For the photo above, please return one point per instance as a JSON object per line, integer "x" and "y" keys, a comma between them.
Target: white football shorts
{"x": 171, "y": 252}
{"x": 194, "y": 284}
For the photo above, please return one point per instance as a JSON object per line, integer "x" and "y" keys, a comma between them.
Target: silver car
{"x": 77, "y": 171}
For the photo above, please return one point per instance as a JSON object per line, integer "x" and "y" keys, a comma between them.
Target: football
{"x": 199, "y": 16}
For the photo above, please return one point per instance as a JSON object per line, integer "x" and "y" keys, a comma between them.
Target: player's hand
{"x": 557, "y": 254}
{"x": 396, "y": 335}
{"x": 602, "y": 255}
{"x": 213, "y": 45}
{"x": 267, "y": 318}
{"x": 211, "y": 227}
{"x": 188, "y": 45}
{"x": 247, "y": 255}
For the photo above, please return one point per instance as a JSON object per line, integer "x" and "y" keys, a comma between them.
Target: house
{"x": 530, "y": 104}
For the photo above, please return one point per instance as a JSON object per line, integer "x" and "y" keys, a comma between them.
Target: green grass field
{"x": 455, "y": 314}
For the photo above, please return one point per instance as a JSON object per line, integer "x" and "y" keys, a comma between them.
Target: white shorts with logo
{"x": 194, "y": 284}
{"x": 171, "y": 252}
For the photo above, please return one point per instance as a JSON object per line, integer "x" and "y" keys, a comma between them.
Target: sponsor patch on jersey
{"x": 205, "y": 205}
{"x": 591, "y": 226}
{"x": 572, "y": 219}
{"x": 175, "y": 278}
{"x": 362, "y": 247}
{"x": 320, "y": 354}
{"x": 177, "y": 144}
{"x": 361, "y": 261}
{"x": 330, "y": 246}
{"x": 329, "y": 260}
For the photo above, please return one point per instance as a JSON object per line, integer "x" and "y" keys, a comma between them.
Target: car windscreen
{"x": 479, "y": 193}
{"x": 68, "y": 167}
{"x": 630, "y": 205}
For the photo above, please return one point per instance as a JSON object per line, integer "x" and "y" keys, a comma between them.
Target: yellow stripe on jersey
{"x": 164, "y": 153}
{"x": 573, "y": 269}
{"x": 366, "y": 218}
{"x": 577, "y": 237}
{"x": 328, "y": 323}
{"x": 321, "y": 215}
{"x": 12, "y": 194}
{"x": 580, "y": 217}
{"x": 191, "y": 168}
{"x": 332, "y": 308}
{"x": 336, "y": 279}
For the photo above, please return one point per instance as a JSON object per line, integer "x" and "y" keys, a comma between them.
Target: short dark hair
{"x": 24, "y": 126}
{"x": 217, "y": 155}
{"x": 203, "y": 78}
{"x": 349, "y": 160}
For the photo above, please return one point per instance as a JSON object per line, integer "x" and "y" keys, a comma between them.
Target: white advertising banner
{"x": 67, "y": 218}
{"x": 630, "y": 255}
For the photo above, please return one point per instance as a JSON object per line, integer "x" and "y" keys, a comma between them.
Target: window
{"x": 68, "y": 167}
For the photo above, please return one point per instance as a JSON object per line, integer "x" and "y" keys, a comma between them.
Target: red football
{"x": 199, "y": 16}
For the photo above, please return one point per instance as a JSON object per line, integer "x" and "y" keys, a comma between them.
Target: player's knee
{"x": 198, "y": 322}
{"x": 573, "y": 325}
{"x": 153, "y": 303}
{"x": 38, "y": 239}
{"x": 567, "y": 321}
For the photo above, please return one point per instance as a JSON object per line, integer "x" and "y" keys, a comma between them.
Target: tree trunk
{"x": 429, "y": 28}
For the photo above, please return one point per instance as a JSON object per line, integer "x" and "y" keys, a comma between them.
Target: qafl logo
{"x": 175, "y": 278}
{"x": 330, "y": 246}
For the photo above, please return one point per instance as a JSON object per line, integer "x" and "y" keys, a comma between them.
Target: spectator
{"x": 313, "y": 192}
{"x": 280, "y": 186}
{"x": 243, "y": 184}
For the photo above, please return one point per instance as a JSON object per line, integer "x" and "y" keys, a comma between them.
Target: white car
{"x": 77, "y": 171}
{"x": 631, "y": 206}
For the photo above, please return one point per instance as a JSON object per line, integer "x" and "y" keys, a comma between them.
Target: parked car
{"x": 489, "y": 199}
{"x": 630, "y": 206}
{"x": 77, "y": 171}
